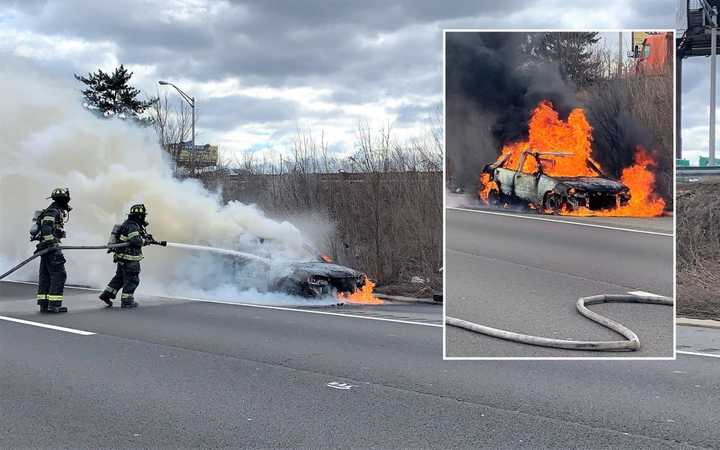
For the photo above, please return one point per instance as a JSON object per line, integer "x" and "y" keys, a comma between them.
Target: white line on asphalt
{"x": 253, "y": 305}
{"x": 283, "y": 308}
{"x": 697, "y": 354}
{"x": 546, "y": 219}
{"x": 45, "y": 325}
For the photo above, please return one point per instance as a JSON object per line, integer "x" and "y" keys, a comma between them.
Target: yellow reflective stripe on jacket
{"x": 123, "y": 238}
{"x": 133, "y": 234}
{"x": 55, "y": 298}
{"x": 130, "y": 257}
{"x": 48, "y": 219}
{"x": 49, "y": 237}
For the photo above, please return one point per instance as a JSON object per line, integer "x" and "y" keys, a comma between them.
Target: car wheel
{"x": 494, "y": 197}
{"x": 552, "y": 203}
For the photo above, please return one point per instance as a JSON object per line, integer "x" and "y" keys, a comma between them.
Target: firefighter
{"x": 127, "y": 275}
{"x": 51, "y": 280}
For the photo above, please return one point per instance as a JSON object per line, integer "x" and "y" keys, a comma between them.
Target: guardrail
{"x": 697, "y": 172}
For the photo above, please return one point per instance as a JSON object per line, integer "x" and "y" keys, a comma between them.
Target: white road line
{"x": 281, "y": 308}
{"x": 45, "y": 325}
{"x": 326, "y": 313}
{"x": 709, "y": 355}
{"x": 547, "y": 219}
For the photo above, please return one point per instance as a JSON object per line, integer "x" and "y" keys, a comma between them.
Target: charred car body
{"x": 551, "y": 194}
{"x": 319, "y": 278}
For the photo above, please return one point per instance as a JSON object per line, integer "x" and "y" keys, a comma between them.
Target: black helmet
{"x": 61, "y": 196}
{"x": 138, "y": 210}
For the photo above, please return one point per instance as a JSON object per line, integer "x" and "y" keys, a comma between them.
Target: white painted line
{"x": 570, "y": 222}
{"x": 326, "y": 313}
{"x": 341, "y": 386}
{"x": 45, "y": 325}
{"x": 281, "y": 308}
{"x": 709, "y": 355}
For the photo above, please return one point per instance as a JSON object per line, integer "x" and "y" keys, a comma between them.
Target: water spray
{"x": 222, "y": 251}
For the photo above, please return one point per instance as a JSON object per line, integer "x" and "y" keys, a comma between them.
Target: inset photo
{"x": 559, "y": 229}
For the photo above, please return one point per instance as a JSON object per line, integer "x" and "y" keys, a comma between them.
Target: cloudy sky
{"x": 695, "y": 100}
{"x": 262, "y": 69}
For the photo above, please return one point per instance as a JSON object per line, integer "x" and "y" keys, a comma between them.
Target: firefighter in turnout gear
{"x": 51, "y": 280}
{"x": 127, "y": 275}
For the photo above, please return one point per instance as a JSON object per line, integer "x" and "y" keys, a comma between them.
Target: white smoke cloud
{"x": 48, "y": 140}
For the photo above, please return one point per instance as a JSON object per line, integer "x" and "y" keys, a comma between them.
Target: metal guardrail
{"x": 696, "y": 172}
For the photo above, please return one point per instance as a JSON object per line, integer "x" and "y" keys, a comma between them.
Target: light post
{"x": 191, "y": 102}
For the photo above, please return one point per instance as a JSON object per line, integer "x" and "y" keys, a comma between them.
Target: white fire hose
{"x": 631, "y": 344}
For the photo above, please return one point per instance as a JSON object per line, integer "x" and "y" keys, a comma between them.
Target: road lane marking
{"x": 547, "y": 219}
{"x": 326, "y": 313}
{"x": 341, "y": 386}
{"x": 281, "y": 308}
{"x": 45, "y": 325}
{"x": 697, "y": 354}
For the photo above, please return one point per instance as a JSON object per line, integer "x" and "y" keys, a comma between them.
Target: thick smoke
{"x": 492, "y": 87}
{"x": 49, "y": 140}
{"x": 491, "y": 90}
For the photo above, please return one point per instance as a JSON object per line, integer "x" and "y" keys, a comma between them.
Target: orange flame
{"x": 363, "y": 296}
{"x": 644, "y": 202}
{"x": 573, "y": 137}
{"x": 549, "y": 133}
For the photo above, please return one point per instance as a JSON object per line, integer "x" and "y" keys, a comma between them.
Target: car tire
{"x": 493, "y": 197}
{"x": 553, "y": 203}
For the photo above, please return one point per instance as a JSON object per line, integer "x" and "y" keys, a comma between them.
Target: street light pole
{"x": 191, "y": 102}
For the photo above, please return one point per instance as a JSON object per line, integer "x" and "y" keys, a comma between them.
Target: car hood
{"x": 329, "y": 270}
{"x": 595, "y": 184}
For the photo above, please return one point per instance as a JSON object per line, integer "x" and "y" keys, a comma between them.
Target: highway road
{"x": 181, "y": 373}
{"x": 524, "y": 273}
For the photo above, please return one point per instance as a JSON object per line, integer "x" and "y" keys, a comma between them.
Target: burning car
{"x": 503, "y": 184}
{"x": 320, "y": 278}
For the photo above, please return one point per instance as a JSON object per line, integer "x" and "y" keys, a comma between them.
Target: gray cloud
{"x": 231, "y": 111}
{"x": 362, "y": 52}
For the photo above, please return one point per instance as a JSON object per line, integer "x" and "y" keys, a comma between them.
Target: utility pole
{"x": 713, "y": 73}
{"x": 190, "y": 100}
{"x": 620, "y": 55}
{"x": 678, "y": 106}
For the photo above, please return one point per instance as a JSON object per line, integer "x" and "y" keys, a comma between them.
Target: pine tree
{"x": 572, "y": 51}
{"x": 112, "y": 95}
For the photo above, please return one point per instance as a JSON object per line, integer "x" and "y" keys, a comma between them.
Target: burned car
{"x": 319, "y": 278}
{"x": 552, "y": 194}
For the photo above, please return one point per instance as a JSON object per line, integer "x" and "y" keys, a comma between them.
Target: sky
{"x": 262, "y": 70}
{"x": 695, "y": 100}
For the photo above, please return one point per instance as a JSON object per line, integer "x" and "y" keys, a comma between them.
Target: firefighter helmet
{"x": 60, "y": 194}
{"x": 138, "y": 209}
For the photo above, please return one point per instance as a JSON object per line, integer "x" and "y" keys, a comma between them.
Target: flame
{"x": 326, "y": 258}
{"x": 644, "y": 202}
{"x": 363, "y": 296}
{"x": 549, "y": 133}
{"x": 485, "y": 185}
{"x": 573, "y": 137}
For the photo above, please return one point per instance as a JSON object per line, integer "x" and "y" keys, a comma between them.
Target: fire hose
{"x": 73, "y": 247}
{"x": 631, "y": 344}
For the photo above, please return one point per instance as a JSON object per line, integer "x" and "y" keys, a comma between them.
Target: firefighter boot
{"x": 55, "y": 306}
{"x": 129, "y": 304}
{"x": 43, "y": 305}
{"x": 105, "y": 297}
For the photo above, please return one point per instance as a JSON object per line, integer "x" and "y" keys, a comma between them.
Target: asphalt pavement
{"x": 524, "y": 273}
{"x": 178, "y": 373}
